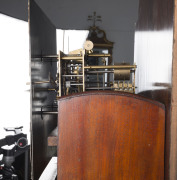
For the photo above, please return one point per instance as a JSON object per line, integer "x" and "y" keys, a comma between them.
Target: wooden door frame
{"x": 173, "y": 144}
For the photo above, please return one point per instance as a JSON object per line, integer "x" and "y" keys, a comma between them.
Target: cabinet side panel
{"x": 42, "y": 41}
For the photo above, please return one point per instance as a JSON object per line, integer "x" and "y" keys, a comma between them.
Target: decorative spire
{"x": 94, "y": 18}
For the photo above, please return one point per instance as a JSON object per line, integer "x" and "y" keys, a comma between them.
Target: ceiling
{"x": 15, "y": 8}
{"x": 72, "y": 14}
{"x": 118, "y": 19}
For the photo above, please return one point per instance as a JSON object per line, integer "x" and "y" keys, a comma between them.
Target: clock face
{"x": 88, "y": 45}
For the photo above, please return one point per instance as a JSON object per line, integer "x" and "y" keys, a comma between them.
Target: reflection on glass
{"x": 153, "y": 56}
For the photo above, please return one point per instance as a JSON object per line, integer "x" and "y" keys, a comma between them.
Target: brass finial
{"x": 94, "y": 18}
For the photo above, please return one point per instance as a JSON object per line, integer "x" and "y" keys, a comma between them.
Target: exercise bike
{"x": 17, "y": 144}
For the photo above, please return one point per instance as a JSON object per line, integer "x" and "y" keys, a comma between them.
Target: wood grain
{"x": 155, "y": 15}
{"x": 163, "y": 96}
{"x": 106, "y": 135}
{"x": 173, "y": 146}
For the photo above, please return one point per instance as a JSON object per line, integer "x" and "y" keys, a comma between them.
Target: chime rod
{"x": 49, "y": 56}
{"x": 72, "y": 75}
{"x": 90, "y": 82}
{"x": 40, "y": 82}
{"x": 49, "y": 112}
{"x": 99, "y": 55}
{"x": 45, "y": 112}
{"x": 94, "y": 72}
{"x": 90, "y": 88}
{"x": 74, "y": 56}
{"x": 76, "y": 84}
{"x": 74, "y": 65}
{"x": 71, "y": 58}
{"x": 44, "y": 89}
{"x": 111, "y": 67}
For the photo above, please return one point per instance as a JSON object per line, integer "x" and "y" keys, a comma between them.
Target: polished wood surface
{"x": 110, "y": 136}
{"x": 155, "y": 15}
{"x": 163, "y": 96}
{"x": 173, "y": 146}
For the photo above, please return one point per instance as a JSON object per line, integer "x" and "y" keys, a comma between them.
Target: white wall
{"x": 15, "y": 8}
{"x": 14, "y": 74}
